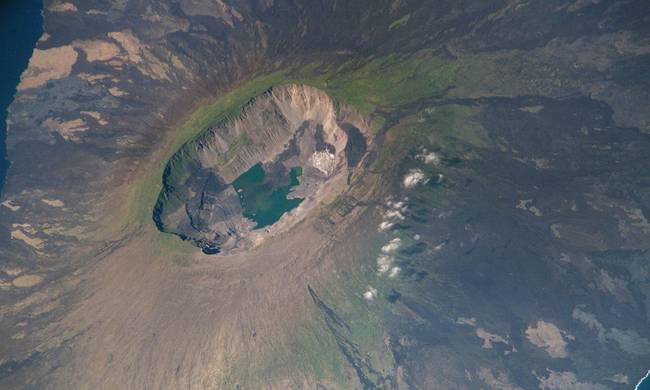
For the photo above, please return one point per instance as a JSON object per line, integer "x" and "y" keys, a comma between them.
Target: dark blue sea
{"x": 645, "y": 383}
{"x": 21, "y": 24}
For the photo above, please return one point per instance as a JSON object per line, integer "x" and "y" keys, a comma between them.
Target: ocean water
{"x": 21, "y": 24}
{"x": 263, "y": 202}
{"x": 644, "y": 384}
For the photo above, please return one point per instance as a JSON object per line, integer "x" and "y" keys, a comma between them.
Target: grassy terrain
{"x": 387, "y": 82}
{"x": 318, "y": 353}
{"x": 455, "y": 122}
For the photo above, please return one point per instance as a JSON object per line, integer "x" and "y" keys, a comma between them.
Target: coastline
{"x": 645, "y": 382}
{"x": 20, "y": 34}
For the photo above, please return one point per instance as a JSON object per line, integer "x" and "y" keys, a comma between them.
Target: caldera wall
{"x": 287, "y": 126}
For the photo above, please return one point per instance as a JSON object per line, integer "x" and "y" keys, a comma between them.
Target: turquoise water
{"x": 263, "y": 202}
{"x": 644, "y": 384}
{"x": 20, "y": 27}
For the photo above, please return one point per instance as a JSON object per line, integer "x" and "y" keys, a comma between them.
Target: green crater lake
{"x": 262, "y": 201}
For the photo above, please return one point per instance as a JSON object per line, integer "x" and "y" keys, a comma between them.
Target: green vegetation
{"x": 363, "y": 318}
{"x": 395, "y": 81}
{"x": 399, "y": 22}
{"x": 388, "y": 82}
{"x": 455, "y": 122}
{"x": 450, "y": 126}
{"x": 318, "y": 352}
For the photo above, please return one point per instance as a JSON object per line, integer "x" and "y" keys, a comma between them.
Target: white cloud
{"x": 392, "y": 246}
{"x": 428, "y": 157}
{"x": 439, "y": 246}
{"x": 370, "y": 294}
{"x": 384, "y": 263}
{"x": 413, "y": 178}
{"x": 385, "y": 225}
{"x": 401, "y": 206}
{"x": 394, "y": 214}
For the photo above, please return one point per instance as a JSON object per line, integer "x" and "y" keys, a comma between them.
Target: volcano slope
{"x": 492, "y": 234}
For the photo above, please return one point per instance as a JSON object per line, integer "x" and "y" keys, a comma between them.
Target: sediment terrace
{"x": 287, "y": 127}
